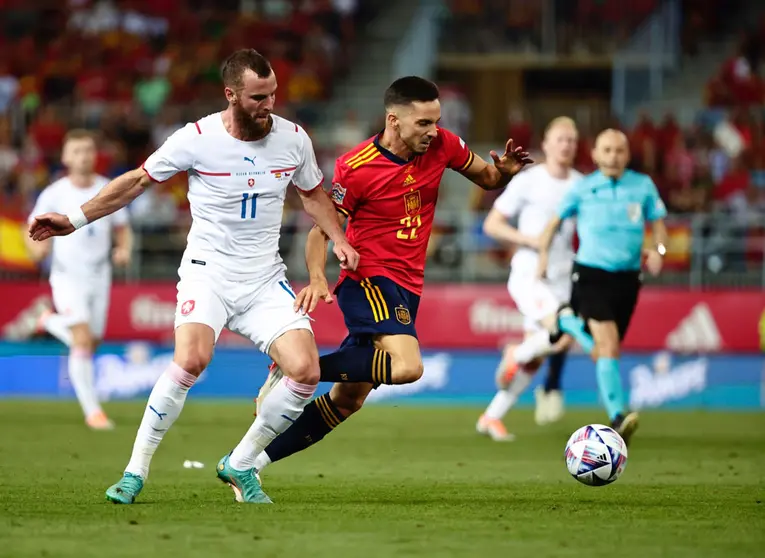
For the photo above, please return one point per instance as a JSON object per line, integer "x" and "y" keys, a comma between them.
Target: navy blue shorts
{"x": 376, "y": 306}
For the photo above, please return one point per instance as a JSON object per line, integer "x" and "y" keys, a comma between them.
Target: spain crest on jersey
{"x": 403, "y": 315}
{"x": 413, "y": 203}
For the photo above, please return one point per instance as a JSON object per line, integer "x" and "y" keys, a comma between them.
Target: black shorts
{"x": 605, "y": 296}
{"x": 376, "y": 306}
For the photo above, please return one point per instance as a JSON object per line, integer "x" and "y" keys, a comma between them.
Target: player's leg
{"x": 99, "y": 309}
{"x": 549, "y": 398}
{"x": 325, "y": 413}
{"x": 269, "y": 320}
{"x": 200, "y": 317}
{"x": 602, "y": 297}
{"x": 376, "y": 307}
{"x": 320, "y": 417}
{"x": 539, "y": 306}
{"x": 490, "y": 422}
{"x": 72, "y": 299}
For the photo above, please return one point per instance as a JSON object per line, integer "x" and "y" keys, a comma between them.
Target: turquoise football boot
{"x": 246, "y": 484}
{"x": 125, "y": 491}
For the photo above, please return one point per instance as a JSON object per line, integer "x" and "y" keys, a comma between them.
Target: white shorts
{"x": 84, "y": 300}
{"x": 536, "y": 299}
{"x": 260, "y": 310}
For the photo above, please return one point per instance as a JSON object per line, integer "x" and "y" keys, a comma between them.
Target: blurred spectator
{"x": 48, "y": 132}
{"x": 456, "y": 115}
{"x": 734, "y": 186}
{"x": 348, "y": 133}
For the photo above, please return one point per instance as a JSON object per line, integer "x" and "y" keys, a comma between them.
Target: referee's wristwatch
{"x": 661, "y": 249}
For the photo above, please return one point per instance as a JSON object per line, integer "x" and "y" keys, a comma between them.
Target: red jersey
{"x": 391, "y": 202}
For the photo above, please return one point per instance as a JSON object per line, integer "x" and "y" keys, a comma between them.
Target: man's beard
{"x": 249, "y": 127}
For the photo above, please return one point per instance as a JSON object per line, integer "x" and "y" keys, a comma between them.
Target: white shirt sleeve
{"x": 44, "y": 204}
{"x": 174, "y": 156}
{"x": 308, "y": 175}
{"x": 511, "y": 201}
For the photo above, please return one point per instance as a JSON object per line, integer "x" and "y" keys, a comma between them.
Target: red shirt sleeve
{"x": 343, "y": 196}
{"x": 458, "y": 154}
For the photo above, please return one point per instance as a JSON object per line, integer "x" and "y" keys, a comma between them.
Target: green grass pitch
{"x": 393, "y": 481}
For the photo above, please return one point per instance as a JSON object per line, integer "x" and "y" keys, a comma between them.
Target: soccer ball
{"x": 596, "y": 455}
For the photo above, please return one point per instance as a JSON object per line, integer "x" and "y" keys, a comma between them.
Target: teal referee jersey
{"x": 611, "y": 215}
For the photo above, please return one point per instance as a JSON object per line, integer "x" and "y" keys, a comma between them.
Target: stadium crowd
{"x": 137, "y": 71}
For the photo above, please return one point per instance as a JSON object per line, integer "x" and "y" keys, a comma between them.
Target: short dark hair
{"x": 239, "y": 62}
{"x": 410, "y": 89}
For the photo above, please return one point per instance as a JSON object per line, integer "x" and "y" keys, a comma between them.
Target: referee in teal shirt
{"x": 611, "y": 206}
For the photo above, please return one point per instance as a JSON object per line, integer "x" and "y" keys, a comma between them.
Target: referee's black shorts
{"x": 605, "y": 296}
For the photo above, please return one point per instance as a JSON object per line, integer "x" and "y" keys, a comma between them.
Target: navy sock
{"x": 555, "y": 364}
{"x": 356, "y": 364}
{"x": 319, "y": 418}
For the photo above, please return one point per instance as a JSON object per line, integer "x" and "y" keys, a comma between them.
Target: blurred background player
{"x": 81, "y": 271}
{"x": 533, "y": 199}
{"x": 231, "y": 274}
{"x": 611, "y": 206}
{"x": 387, "y": 188}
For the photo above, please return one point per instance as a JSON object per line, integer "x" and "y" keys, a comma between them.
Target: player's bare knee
{"x": 406, "y": 371}
{"x": 193, "y": 359}
{"x": 303, "y": 368}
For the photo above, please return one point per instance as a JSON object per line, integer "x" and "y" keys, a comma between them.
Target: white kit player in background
{"x": 240, "y": 163}
{"x": 81, "y": 271}
{"x": 533, "y": 198}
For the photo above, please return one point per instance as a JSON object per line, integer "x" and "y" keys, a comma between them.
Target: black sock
{"x": 319, "y": 418}
{"x": 356, "y": 364}
{"x": 555, "y": 363}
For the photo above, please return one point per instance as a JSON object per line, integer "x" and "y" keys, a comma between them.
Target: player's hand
{"x": 349, "y": 258}
{"x": 512, "y": 160}
{"x": 308, "y": 298}
{"x": 653, "y": 262}
{"x": 542, "y": 264}
{"x": 121, "y": 256}
{"x": 50, "y": 224}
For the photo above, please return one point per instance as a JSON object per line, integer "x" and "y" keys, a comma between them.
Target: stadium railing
{"x": 642, "y": 63}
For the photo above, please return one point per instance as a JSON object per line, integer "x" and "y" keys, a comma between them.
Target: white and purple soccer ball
{"x": 596, "y": 455}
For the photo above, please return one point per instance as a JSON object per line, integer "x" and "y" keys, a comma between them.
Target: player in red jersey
{"x": 387, "y": 188}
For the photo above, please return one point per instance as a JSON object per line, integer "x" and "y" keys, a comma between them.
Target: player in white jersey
{"x": 81, "y": 271}
{"x": 533, "y": 198}
{"x": 239, "y": 163}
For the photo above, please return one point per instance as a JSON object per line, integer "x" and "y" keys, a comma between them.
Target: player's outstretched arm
{"x": 115, "y": 195}
{"x": 321, "y": 209}
{"x": 505, "y": 167}
{"x": 545, "y": 239}
{"x": 496, "y": 227}
{"x": 315, "y": 260}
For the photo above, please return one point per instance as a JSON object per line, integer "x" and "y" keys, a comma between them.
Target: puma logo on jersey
{"x": 251, "y": 160}
{"x": 409, "y": 180}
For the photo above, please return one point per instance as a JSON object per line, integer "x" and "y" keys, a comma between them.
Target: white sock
{"x": 262, "y": 461}
{"x": 534, "y": 346}
{"x": 280, "y": 409}
{"x": 505, "y": 398}
{"x": 58, "y": 326}
{"x": 81, "y": 377}
{"x": 164, "y": 406}
{"x": 500, "y": 405}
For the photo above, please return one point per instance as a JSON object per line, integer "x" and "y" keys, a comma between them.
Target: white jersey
{"x": 87, "y": 251}
{"x": 534, "y": 197}
{"x": 237, "y": 190}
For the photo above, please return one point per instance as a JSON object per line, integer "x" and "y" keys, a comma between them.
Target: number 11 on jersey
{"x": 253, "y": 199}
